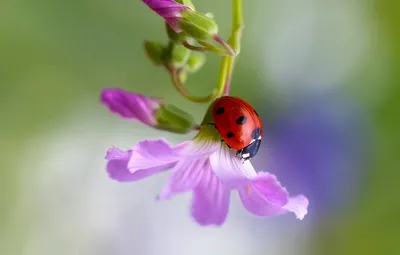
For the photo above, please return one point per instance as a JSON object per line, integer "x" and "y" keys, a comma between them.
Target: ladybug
{"x": 239, "y": 125}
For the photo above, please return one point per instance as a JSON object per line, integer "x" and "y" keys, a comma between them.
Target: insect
{"x": 239, "y": 125}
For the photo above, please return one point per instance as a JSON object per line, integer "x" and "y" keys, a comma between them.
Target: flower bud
{"x": 197, "y": 25}
{"x": 173, "y": 119}
{"x": 178, "y": 55}
{"x": 169, "y": 10}
{"x": 186, "y": 2}
{"x": 131, "y": 106}
{"x": 195, "y": 61}
{"x": 155, "y": 51}
{"x": 175, "y": 37}
{"x": 151, "y": 111}
{"x": 183, "y": 75}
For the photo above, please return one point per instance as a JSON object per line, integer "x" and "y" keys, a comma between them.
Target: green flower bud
{"x": 210, "y": 15}
{"x": 155, "y": 51}
{"x": 186, "y": 2}
{"x": 183, "y": 75}
{"x": 173, "y": 119}
{"x": 178, "y": 55}
{"x": 195, "y": 61}
{"x": 197, "y": 25}
{"x": 175, "y": 37}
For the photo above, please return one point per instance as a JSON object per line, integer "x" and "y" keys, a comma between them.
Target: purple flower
{"x": 211, "y": 171}
{"x": 131, "y": 105}
{"x": 168, "y": 9}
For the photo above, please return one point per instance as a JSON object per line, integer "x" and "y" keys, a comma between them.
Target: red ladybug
{"x": 239, "y": 125}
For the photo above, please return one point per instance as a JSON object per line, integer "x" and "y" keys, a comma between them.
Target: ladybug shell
{"x": 236, "y": 121}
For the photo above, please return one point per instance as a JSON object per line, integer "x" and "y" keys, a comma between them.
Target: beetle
{"x": 239, "y": 125}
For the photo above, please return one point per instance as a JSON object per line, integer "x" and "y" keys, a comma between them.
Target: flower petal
{"x": 210, "y": 200}
{"x": 186, "y": 176}
{"x": 298, "y": 205}
{"x": 153, "y": 154}
{"x": 117, "y": 164}
{"x": 265, "y": 196}
{"x": 168, "y": 9}
{"x": 229, "y": 168}
{"x": 131, "y": 105}
{"x": 258, "y": 196}
{"x": 198, "y": 148}
{"x": 269, "y": 187}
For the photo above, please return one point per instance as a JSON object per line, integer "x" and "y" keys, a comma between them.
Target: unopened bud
{"x": 178, "y": 55}
{"x": 186, "y": 2}
{"x": 175, "y": 37}
{"x": 195, "y": 61}
{"x": 173, "y": 119}
{"x": 155, "y": 51}
{"x": 183, "y": 75}
{"x": 197, "y": 25}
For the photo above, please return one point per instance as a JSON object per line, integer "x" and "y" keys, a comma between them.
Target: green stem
{"x": 227, "y": 63}
{"x": 212, "y": 48}
{"x": 187, "y": 45}
{"x": 176, "y": 81}
{"x": 225, "y": 45}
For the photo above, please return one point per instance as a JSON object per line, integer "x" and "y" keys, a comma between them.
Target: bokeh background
{"x": 324, "y": 75}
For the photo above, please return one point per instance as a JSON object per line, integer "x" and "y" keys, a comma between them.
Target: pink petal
{"x": 117, "y": 165}
{"x": 264, "y": 196}
{"x": 168, "y": 9}
{"x": 210, "y": 204}
{"x": 269, "y": 187}
{"x": 298, "y": 205}
{"x": 198, "y": 148}
{"x": 145, "y": 159}
{"x": 131, "y": 105}
{"x": 153, "y": 154}
{"x": 229, "y": 168}
{"x": 186, "y": 176}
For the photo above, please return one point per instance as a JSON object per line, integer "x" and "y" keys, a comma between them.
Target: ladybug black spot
{"x": 230, "y": 135}
{"x": 256, "y": 113}
{"x": 256, "y": 133}
{"x": 220, "y": 111}
{"x": 241, "y": 120}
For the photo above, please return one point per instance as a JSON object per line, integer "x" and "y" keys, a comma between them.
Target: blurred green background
{"x": 56, "y": 56}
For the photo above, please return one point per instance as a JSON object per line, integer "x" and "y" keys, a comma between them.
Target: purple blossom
{"x": 168, "y": 10}
{"x": 131, "y": 105}
{"x": 210, "y": 170}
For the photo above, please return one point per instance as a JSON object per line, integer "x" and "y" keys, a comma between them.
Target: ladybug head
{"x": 250, "y": 150}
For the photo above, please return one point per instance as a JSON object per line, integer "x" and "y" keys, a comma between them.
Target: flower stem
{"x": 187, "y": 45}
{"x": 176, "y": 81}
{"x": 227, "y": 63}
{"x": 227, "y": 47}
{"x": 212, "y": 48}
